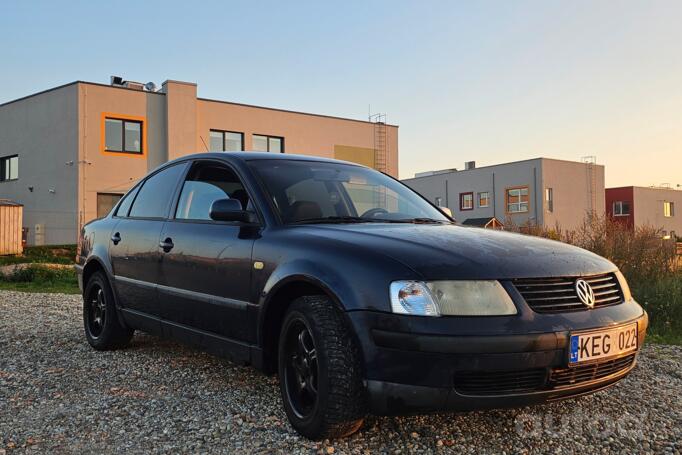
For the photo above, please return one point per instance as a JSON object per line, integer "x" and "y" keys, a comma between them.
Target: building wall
{"x": 649, "y": 208}
{"x": 107, "y": 172}
{"x": 570, "y": 183}
{"x": 493, "y": 179}
{"x": 43, "y": 131}
{"x": 624, "y": 194}
{"x": 66, "y": 125}
{"x": 303, "y": 133}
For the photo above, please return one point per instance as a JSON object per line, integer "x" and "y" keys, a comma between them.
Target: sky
{"x": 490, "y": 81}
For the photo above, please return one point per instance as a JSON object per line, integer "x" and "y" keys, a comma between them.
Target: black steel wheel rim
{"x": 301, "y": 369}
{"x": 96, "y": 311}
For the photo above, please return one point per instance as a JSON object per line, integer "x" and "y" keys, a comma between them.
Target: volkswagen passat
{"x": 359, "y": 293}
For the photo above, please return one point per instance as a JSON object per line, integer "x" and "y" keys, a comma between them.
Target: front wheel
{"x": 320, "y": 370}
{"x": 100, "y": 319}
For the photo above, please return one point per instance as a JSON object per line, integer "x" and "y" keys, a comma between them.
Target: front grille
{"x": 562, "y": 377}
{"x": 558, "y": 295}
{"x": 500, "y": 383}
{"x": 524, "y": 381}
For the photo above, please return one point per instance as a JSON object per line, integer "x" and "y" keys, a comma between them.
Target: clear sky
{"x": 486, "y": 81}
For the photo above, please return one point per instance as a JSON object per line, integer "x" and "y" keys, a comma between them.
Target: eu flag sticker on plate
{"x": 575, "y": 346}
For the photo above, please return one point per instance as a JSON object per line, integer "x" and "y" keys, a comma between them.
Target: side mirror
{"x": 228, "y": 210}
{"x": 446, "y": 210}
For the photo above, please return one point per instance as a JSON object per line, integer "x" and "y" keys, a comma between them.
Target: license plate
{"x": 602, "y": 344}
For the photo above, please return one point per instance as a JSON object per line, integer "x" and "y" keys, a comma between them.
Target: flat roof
{"x": 439, "y": 172}
{"x": 662, "y": 188}
{"x": 198, "y": 99}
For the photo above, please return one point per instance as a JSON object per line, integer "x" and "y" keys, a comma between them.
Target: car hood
{"x": 455, "y": 252}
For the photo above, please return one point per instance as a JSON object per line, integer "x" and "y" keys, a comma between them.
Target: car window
{"x": 156, "y": 193}
{"x": 313, "y": 191}
{"x": 310, "y": 190}
{"x": 207, "y": 182}
{"x": 124, "y": 206}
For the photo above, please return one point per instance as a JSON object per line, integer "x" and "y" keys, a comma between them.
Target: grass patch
{"x": 53, "y": 254}
{"x": 662, "y": 299}
{"x": 37, "y": 278}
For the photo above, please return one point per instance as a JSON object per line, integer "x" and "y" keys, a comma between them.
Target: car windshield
{"x": 319, "y": 192}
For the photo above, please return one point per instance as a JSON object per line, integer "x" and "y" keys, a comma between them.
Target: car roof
{"x": 254, "y": 156}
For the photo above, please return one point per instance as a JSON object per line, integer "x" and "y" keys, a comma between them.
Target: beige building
{"x": 67, "y": 154}
{"x": 541, "y": 191}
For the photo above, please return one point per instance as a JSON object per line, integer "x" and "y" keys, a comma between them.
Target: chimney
{"x": 469, "y": 165}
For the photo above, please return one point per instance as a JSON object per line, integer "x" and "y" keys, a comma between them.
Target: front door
{"x": 206, "y": 265}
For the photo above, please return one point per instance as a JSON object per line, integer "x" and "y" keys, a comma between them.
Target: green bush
{"x": 38, "y": 278}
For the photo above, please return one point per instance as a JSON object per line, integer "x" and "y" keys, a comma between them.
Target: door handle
{"x": 166, "y": 245}
{"x": 116, "y": 238}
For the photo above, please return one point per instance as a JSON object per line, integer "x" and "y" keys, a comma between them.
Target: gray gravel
{"x": 59, "y": 395}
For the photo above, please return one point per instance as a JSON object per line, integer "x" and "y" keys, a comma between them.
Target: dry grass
{"x": 649, "y": 263}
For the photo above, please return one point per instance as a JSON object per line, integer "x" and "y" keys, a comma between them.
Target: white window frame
{"x": 619, "y": 211}
{"x": 516, "y": 207}
{"x": 668, "y": 209}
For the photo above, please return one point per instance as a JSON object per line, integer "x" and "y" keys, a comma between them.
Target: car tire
{"x": 103, "y": 329}
{"x": 316, "y": 340}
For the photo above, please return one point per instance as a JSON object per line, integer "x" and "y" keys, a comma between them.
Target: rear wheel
{"x": 320, "y": 370}
{"x": 100, "y": 319}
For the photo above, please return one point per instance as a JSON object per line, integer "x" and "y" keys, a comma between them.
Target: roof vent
{"x": 469, "y": 165}
{"x": 118, "y": 81}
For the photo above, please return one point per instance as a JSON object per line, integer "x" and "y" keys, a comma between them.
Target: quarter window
{"x": 466, "y": 201}
{"x": 226, "y": 141}
{"x": 621, "y": 208}
{"x": 155, "y": 195}
{"x": 124, "y": 207}
{"x": 483, "y": 199}
{"x": 271, "y": 144}
{"x": 122, "y": 136}
{"x": 517, "y": 199}
{"x": 9, "y": 168}
{"x": 668, "y": 209}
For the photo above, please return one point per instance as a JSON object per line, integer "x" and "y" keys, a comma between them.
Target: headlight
{"x": 451, "y": 298}
{"x": 627, "y": 295}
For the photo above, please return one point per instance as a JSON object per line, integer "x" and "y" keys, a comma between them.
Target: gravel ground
{"x": 58, "y": 395}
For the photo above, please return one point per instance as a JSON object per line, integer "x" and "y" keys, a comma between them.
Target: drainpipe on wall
{"x": 535, "y": 194}
{"x": 494, "y": 198}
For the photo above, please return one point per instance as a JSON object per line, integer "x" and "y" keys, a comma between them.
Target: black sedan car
{"x": 359, "y": 293}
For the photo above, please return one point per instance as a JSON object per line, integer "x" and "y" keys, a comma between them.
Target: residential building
{"x": 69, "y": 153}
{"x": 540, "y": 191}
{"x": 637, "y": 206}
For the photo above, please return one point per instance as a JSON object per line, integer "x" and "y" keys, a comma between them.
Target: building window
{"x": 517, "y": 199}
{"x": 439, "y": 201}
{"x": 272, "y": 144}
{"x": 483, "y": 199}
{"x": 621, "y": 208}
{"x": 9, "y": 168}
{"x": 466, "y": 201}
{"x": 106, "y": 202}
{"x": 549, "y": 198}
{"x": 668, "y": 209}
{"x": 123, "y": 135}
{"x": 226, "y": 141}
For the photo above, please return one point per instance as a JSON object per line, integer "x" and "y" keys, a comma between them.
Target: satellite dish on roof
{"x": 150, "y": 86}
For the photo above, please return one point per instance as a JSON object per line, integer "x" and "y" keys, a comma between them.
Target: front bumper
{"x": 415, "y": 364}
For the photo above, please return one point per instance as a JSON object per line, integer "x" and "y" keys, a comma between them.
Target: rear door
{"x": 206, "y": 266}
{"x": 134, "y": 243}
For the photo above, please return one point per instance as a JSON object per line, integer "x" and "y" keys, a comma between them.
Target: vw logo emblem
{"x": 585, "y": 293}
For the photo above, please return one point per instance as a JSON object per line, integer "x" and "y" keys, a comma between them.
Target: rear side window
{"x": 124, "y": 207}
{"x": 156, "y": 193}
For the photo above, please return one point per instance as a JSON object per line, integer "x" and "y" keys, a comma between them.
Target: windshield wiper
{"x": 335, "y": 219}
{"x": 423, "y": 221}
